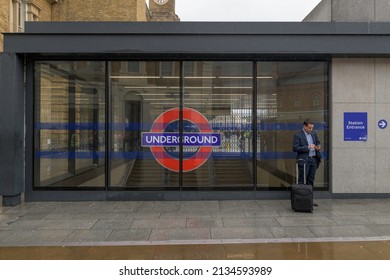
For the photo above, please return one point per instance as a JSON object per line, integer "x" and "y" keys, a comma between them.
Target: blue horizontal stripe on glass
{"x": 69, "y": 126}
{"x": 267, "y": 126}
{"x": 70, "y": 155}
{"x": 86, "y": 126}
{"x": 149, "y": 155}
{"x": 139, "y": 127}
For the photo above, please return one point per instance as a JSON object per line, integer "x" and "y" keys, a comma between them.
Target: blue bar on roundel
{"x": 172, "y": 139}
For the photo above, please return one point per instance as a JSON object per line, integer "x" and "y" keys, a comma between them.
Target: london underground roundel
{"x": 159, "y": 139}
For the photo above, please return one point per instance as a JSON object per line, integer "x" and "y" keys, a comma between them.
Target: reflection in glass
{"x": 69, "y": 124}
{"x": 139, "y": 95}
{"x": 222, "y": 92}
{"x": 288, "y": 93}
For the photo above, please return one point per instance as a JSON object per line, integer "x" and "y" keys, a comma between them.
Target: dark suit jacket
{"x": 300, "y": 146}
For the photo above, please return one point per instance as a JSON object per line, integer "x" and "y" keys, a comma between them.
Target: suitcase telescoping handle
{"x": 304, "y": 170}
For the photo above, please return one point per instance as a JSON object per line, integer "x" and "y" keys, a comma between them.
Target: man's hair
{"x": 307, "y": 122}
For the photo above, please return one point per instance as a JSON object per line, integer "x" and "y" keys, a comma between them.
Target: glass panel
{"x": 69, "y": 140}
{"x": 139, "y": 98}
{"x": 288, "y": 93}
{"x": 221, "y": 92}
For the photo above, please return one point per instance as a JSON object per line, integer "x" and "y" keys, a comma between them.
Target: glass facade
{"x": 175, "y": 125}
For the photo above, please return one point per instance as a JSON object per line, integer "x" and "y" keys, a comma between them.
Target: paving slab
{"x": 231, "y": 205}
{"x": 292, "y": 232}
{"x": 227, "y": 214}
{"x": 4, "y": 234}
{"x": 112, "y": 224}
{"x": 143, "y": 215}
{"x": 241, "y": 233}
{"x": 5, "y": 223}
{"x": 304, "y": 219}
{"x": 381, "y": 230}
{"x": 180, "y": 234}
{"x": 158, "y": 223}
{"x": 86, "y": 216}
{"x": 36, "y": 237}
{"x": 250, "y": 222}
{"x": 342, "y": 231}
{"x": 212, "y": 205}
{"x": 129, "y": 235}
{"x": 67, "y": 224}
{"x": 351, "y": 220}
{"x": 159, "y": 206}
{"x": 186, "y": 214}
{"x": 261, "y": 213}
{"x": 24, "y": 225}
{"x": 350, "y": 212}
{"x": 380, "y": 219}
{"x": 95, "y": 235}
{"x": 205, "y": 223}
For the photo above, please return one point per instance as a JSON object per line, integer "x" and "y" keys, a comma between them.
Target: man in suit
{"x": 307, "y": 146}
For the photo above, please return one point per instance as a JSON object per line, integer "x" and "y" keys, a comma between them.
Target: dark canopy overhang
{"x": 184, "y": 39}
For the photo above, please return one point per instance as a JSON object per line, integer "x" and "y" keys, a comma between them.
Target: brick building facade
{"x": 13, "y": 13}
{"x": 102, "y": 10}
{"x": 4, "y": 20}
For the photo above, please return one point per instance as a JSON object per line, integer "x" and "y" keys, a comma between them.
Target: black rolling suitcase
{"x": 301, "y": 194}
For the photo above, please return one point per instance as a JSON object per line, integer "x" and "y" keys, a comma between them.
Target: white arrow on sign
{"x": 382, "y": 124}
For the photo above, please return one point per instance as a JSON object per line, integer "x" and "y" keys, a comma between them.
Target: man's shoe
{"x": 315, "y": 204}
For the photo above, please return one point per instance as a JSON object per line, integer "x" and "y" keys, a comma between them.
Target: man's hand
{"x": 317, "y": 147}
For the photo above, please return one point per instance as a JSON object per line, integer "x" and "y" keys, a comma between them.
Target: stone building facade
{"x": 162, "y": 10}
{"x": 350, "y": 11}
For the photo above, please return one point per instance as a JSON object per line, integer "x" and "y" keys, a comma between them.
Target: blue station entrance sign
{"x": 355, "y": 126}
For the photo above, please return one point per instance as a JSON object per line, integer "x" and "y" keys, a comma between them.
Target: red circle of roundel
{"x": 165, "y": 159}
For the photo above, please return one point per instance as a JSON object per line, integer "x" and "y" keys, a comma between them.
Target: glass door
{"x": 69, "y": 119}
{"x": 141, "y": 92}
{"x": 221, "y": 92}
{"x": 288, "y": 92}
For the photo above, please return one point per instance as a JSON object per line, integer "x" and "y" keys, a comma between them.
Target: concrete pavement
{"x": 129, "y": 223}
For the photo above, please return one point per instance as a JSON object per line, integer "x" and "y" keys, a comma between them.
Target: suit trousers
{"x": 311, "y": 169}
